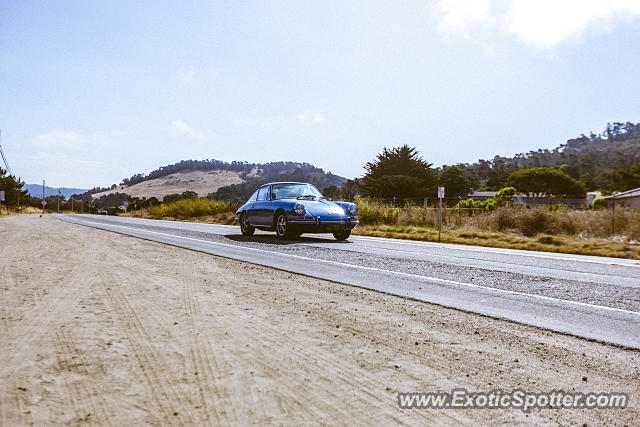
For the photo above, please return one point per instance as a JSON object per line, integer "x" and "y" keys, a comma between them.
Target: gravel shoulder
{"x": 101, "y": 328}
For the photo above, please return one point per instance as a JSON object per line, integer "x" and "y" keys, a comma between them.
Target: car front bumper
{"x": 319, "y": 225}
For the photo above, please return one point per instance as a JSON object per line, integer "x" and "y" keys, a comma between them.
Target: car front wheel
{"x": 245, "y": 228}
{"x": 342, "y": 235}
{"x": 282, "y": 226}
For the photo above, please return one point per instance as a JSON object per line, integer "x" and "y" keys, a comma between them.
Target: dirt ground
{"x": 100, "y": 328}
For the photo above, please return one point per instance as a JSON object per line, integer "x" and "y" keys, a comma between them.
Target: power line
{"x": 4, "y": 158}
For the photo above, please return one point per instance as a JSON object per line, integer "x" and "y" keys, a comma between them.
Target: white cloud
{"x": 59, "y": 139}
{"x": 540, "y": 23}
{"x": 186, "y": 76}
{"x": 311, "y": 118}
{"x": 180, "y": 128}
{"x": 306, "y": 118}
{"x": 461, "y": 17}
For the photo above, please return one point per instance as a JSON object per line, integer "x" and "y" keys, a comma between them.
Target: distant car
{"x": 293, "y": 208}
{"x": 103, "y": 212}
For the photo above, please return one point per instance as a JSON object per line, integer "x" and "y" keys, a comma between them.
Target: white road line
{"x": 379, "y": 270}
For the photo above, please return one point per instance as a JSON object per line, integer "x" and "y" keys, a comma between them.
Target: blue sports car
{"x": 293, "y": 208}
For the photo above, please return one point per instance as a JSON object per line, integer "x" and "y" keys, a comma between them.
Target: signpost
{"x": 126, "y": 205}
{"x": 440, "y": 196}
{"x": 183, "y": 208}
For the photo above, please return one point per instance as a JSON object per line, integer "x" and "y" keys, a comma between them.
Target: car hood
{"x": 322, "y": 208}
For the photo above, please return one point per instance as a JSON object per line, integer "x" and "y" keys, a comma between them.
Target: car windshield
{"x": 295, "y": 191}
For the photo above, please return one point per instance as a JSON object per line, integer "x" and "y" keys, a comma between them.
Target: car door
{"x": 252, "y": 211}
{"x": 266, "y": 209}
{"x": 260, "y": 207}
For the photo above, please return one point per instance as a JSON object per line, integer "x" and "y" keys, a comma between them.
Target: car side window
{"x": 254, "y": 196}
{"x": 262, "y": 193}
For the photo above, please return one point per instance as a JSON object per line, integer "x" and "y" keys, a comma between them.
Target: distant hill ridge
{"x": 35, "y": 190}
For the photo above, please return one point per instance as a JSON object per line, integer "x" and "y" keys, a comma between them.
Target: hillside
{"x": 200, "y": 182}
{"x": 587, "y": 158}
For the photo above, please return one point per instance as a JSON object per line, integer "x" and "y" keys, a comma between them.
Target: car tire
{"x": 245, "y": 228}
{"x": 281, "y": 226}
{"x": 342, "y": 235}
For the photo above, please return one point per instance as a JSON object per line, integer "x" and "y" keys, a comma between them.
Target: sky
{"x": 92, "y": 92}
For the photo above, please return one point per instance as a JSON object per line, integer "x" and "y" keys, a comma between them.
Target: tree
{"x": 455, "y": 182}
{"x": 505, "y": 195}
{"x": 170, "y": 198}
{"x": 349, "y": 189}
{"x": 330, "y": 192}
{"x": 546, "y": 182}
{"x": 398, "y": 172}
{"x": 12, "y": 187}
{"x": 625, "y": 179}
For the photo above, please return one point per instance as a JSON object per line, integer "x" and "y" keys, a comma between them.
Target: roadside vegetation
{"x": 195, "y": 209}
{"x": 551, "y": 229}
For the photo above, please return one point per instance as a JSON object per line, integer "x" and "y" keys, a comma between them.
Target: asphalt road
{"x": 596, "y": 298}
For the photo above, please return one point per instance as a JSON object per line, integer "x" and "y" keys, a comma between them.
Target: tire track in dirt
{"x": 52, "y": 309}
{"x": 85, "y": 397}
{"x": 298, "y": 403}
{"x": 370, "y": 390}
{"x": 215, "y": 362}
{"x": 205, "y": 364}
{"x": 24, "y": 416}
{"x": 318, "y": 361}
{"x": 161, "y": 388}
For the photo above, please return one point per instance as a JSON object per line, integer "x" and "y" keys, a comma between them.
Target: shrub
{"x": 504, "y": 219}
{"x": 534, "y": 222}
{"x": 599, "y": 203}
{"x": 372, "y": 212}
{"x": 505, "y": 195}
{"x": 192, "y": 208}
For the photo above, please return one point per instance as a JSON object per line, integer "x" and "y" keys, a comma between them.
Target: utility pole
{"x": 440, "y": 196}
{"x": 43, "y": 201}
{"x": 58, "y": 200}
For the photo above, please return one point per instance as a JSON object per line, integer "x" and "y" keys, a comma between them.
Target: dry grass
{"x": 543, "y": 242}
{"x": 515, "y": 219}
{"x": 4, "y": 211}
{"x": 587, "y": 232}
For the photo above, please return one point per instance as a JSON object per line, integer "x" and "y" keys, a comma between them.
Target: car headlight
{"x": 353, "y": 209}
{"x": 299, "y": 209}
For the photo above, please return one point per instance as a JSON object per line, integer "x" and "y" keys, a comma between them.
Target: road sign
{"x": 126, "y": 204}
{"x": 183, "y": 204}
{"x": 1, "y": 196}
{"x": 440, "y": 196}
{"x": 44, "y": 202}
